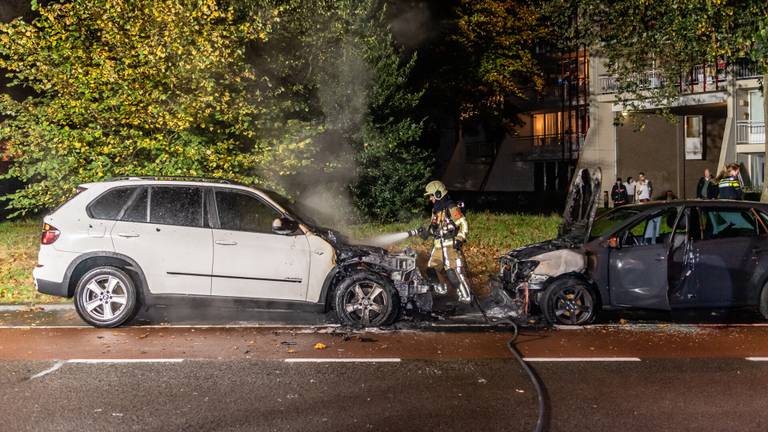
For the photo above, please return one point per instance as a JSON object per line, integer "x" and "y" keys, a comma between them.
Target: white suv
{"x": 135, "y": 242}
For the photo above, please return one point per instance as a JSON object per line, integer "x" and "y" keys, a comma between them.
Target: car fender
{"x": 133, "y": 267}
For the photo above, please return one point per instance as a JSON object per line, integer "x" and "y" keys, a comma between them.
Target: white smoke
{"x": 385, "y": 239}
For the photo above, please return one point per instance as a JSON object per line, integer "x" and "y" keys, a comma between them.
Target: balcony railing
{"x": 701, "y": 78}
{"x": 554, "y": 146}
{"x": 750, "y": 132}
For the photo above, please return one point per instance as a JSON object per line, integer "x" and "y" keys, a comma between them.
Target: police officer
{"x": 729, "y": 187}
{"x": 449, "y": 229}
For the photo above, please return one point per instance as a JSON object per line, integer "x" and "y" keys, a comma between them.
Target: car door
{"x": 638, "y": 268}
{"x": 165, "y": 231}
{"x": 249, "y": 259}
{"x": 724, "y": 255}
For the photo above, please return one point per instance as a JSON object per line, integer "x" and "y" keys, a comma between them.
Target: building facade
{"x": 718, "y": 119}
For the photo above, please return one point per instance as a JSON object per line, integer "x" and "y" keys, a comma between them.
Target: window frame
{"x": 627, "y": 229}
{"x": 89, "y": 211}
{"x": 216, "y": 221}
{"x": 152, "y": 188}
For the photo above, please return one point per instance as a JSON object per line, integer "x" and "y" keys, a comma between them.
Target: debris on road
{"x": 320, "y": 346}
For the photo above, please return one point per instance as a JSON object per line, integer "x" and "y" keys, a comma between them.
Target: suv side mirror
{"x": 284, "y": 226}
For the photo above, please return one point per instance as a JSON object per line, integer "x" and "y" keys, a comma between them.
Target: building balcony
{"x": 548, "y": 147}
{"x": 701, "y": 78}
{"x": 750, "y": 132}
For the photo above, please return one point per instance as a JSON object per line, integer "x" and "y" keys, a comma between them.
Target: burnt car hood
{"x": 580, "y": 207}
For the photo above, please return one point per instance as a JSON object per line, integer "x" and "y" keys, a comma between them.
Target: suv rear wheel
{"x": 366, "y": 299}
{"x": 106, "y": 297}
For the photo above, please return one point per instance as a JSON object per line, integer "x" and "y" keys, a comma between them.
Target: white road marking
{"x": 53, "y": 368}
{"x": 113, "y": 361}
{"x": 342, "y": 360}
{"x": 191, "y": 326}
{"x": 757, "y": 359}
{"x": 582, "y": 359}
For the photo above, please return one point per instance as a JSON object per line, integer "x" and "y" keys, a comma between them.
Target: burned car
{"x": 140, "y": 242}
{"x": 658, "y": 255}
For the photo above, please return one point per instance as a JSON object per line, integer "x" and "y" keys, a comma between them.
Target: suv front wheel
{"x": 366, "y": 300}
{"x": 105, "y": 297}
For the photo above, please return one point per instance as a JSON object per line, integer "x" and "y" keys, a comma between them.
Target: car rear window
{"x": 108, "y": 205}
{"x": 175, "y": 205}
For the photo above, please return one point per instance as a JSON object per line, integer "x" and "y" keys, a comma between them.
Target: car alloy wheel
{"x": 367, "y": 302}
{"x": 104, "y": 297}
{"x": 572, "y": 305}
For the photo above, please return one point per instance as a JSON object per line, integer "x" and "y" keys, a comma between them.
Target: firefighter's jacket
{"x": 448, "y": 222}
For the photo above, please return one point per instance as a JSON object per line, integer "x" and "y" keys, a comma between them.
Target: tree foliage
{"x": 260, "y": 92}
{"x": 497, "y": 40}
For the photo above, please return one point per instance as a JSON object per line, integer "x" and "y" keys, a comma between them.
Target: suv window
{"x": 108, "y": 205}
{"x": 718, "y": 223}
{"x": 175, "y": 205}
{"x": 137, "y": 207}
{"x": 243, "y": 212}
{"x": 651, "y": 230}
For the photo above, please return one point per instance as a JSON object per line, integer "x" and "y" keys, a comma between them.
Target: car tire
{"x": 764, "y": 301}
{"x": 365, "y": 299}
{"x": 106, "y": 297}
{"x": 569, "y": 301}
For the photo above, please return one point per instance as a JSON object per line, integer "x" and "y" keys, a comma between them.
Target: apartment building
{"x": 536, "y": 157}
{"x": 718, "y": 119}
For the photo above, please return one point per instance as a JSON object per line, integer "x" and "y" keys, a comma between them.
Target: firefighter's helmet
{"x": 436, "y": 188}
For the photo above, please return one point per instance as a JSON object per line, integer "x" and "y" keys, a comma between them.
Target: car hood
{"x": 580, "y": 207}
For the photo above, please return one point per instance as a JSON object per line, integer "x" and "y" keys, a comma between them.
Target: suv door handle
{"x": 128, "y": 234}
{"x": 226, "y": 242}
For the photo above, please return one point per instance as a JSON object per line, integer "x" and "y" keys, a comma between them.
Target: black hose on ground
{"x": 527, "y": 368}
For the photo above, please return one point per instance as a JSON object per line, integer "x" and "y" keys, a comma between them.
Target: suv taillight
{"x": 50, "y": 234}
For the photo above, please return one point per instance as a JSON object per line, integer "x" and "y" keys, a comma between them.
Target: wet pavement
{"x": 701, "y": 370}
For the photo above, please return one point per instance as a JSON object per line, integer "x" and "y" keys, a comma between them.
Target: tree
{"x": 136, "y": 88}
{"x": 671, "y": 37}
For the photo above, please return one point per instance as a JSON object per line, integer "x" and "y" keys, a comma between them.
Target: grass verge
{"x": 491, "y": 234}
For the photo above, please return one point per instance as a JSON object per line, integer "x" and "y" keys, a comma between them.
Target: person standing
{"x": 706, "y": 188}
{"x": 644, "y": 189}
{"x": 630, "y": 186}
{"x": 619, "y": 193}
{"x": 729, "y": 187}
{"x": 449, "y": 228}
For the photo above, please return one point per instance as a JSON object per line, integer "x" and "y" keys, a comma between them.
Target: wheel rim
{"x": 104, "y": 297}
{"x": 573, "y": 305}
{"x": 366, "y": 303}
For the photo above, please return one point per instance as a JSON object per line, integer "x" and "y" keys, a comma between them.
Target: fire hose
{"x": 535, "y": 380}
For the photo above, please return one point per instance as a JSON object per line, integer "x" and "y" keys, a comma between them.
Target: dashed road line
{"x": 582, "y": 359}
{"x": 342, "y": 360}
{"x": 756, "y": 359}
{"x": 133, "y": 360}
{"x": 53, "y": 368}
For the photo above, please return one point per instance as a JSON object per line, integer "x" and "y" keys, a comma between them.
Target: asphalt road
{"x": 245, "y": 377}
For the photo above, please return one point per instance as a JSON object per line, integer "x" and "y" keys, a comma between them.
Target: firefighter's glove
{"x": 423, "y": 233}
{"x": 458, "y": 244}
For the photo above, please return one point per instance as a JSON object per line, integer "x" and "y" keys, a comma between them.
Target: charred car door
{"x": 725, "y": 246}
{"x": 638, "y": 266}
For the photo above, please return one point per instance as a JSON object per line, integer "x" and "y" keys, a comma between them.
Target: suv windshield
{"x": 608, "y": 221}
{"x": 297, "y": 211}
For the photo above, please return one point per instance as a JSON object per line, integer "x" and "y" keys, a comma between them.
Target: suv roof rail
{"x": 174, "y": 178}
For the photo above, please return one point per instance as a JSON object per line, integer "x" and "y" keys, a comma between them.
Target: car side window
{"x": 717, "y": 223}
{"x": 654, "y": 229}
{"x": 239, "y": 211}
{"x": 137, "y": 207}
{"x": 108, "y": 205}
{"x": 176, "y": 205}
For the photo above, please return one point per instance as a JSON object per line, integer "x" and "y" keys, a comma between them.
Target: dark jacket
{"x": 730, "y": 188}
{"x": 619, "y": 194}
{"x": 711, "y": 189}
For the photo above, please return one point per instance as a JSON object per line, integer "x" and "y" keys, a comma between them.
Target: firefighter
{"x": 729, "y": 187}
{"x": 449, "y": 229}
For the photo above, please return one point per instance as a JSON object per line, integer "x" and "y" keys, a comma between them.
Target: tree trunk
{"x": 764, "y": 195}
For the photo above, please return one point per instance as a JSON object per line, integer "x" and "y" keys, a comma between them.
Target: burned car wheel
{"x": 569, "y": 301}
{"x": 367, "y": 300}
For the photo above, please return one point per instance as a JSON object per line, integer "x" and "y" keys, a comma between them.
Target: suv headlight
{"x": 525, "y": 268}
